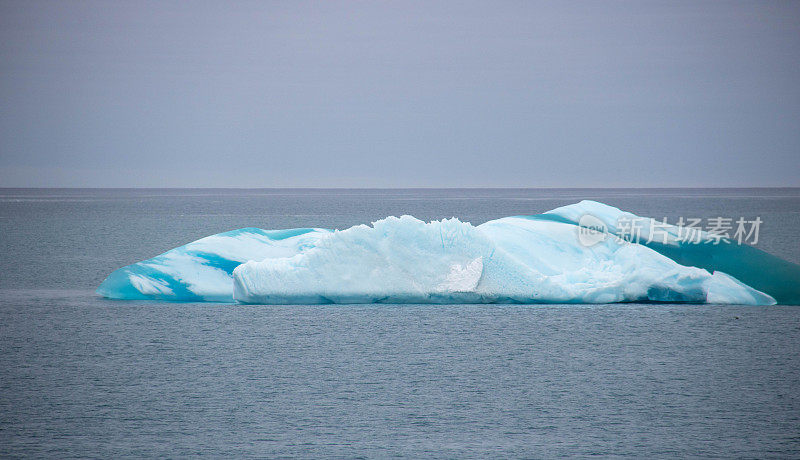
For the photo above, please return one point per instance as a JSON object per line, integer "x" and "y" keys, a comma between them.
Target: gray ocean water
{"x": 81, "y": 376}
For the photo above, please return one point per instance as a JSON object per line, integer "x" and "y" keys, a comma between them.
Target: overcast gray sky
{"x": 374, "y": 94}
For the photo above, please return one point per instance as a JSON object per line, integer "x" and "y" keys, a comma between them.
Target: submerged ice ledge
{"x": 523, "y": 259}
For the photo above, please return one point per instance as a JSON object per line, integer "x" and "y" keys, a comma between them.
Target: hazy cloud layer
{"x": 265, "y": 94}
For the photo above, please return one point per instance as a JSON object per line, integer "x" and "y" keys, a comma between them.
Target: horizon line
{"x": 408, "y": 188}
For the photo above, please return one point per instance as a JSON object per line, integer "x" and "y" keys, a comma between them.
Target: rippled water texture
{"x": 84, "y": 376}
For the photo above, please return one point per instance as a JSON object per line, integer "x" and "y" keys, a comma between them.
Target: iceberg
{"x": 544, "y": 258}
{"x": 201, "y": 271}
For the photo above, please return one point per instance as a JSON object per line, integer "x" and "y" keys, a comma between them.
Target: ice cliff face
{"x": 524, "y": 259}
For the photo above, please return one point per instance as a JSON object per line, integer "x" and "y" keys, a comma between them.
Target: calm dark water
{"x": 83, "y": 376}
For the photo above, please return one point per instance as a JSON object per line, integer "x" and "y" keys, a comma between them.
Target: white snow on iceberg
{"x": 524, "y": 259}
{"x": 514, "y": 259}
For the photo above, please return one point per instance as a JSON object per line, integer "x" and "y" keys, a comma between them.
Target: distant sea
{"x": 81, "y": 376}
